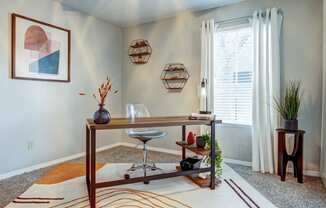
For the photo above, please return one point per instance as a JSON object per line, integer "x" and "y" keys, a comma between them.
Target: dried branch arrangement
{"x": 102, "y": 92}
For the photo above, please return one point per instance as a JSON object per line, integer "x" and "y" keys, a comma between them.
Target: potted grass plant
{"x": 288, "y": 106}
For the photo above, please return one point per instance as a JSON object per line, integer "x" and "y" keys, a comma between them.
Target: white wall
{"x": 175, "y": 40}
{"x": 141, "y": 84}
{"x": 51, "y": 115}
{"x": 178, "y": 40}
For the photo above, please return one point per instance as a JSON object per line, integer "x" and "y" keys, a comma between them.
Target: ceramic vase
{"x": 102, "y": 116}
{"x": 191, "y": 138}
{"x": 200, "y": 142}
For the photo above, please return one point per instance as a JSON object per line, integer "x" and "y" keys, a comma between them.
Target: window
{"x": 233, "y": 75}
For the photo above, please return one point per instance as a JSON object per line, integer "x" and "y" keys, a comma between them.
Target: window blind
{"x": 233, "y": 75}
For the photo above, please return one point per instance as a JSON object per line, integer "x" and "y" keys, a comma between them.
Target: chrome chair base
{"x": 145, "y": 165}
{"x": 149, "y": 166}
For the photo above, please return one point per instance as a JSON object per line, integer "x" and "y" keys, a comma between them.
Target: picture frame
{"x": 40, "y": 51}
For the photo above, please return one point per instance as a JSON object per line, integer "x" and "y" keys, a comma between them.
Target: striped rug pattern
{"x": 124, "y": 197}
{"x": 63, "y": 189}
{"x": 35, "y": 200}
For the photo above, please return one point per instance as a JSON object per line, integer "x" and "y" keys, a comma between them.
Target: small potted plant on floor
{"x": 288, "y": 106}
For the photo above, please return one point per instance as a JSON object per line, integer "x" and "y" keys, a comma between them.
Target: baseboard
{"x": 312, "y": 173}
{"x": 52, "y": 162}
{"x": 237, "y": 162}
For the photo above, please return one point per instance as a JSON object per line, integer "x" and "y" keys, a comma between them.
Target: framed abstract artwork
{"x": 40, "y": 51}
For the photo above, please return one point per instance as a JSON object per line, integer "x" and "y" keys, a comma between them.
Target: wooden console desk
{"x": 125, "y": 123}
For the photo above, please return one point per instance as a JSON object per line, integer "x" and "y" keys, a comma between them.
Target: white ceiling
{"x": 133, "y": 12}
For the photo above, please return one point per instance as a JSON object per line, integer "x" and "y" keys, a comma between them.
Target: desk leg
{"x": 183, "y": 139}
{"x": 87, "y": 159}
{"x": 93, "y": 170}
{"x": 213, "y": 155}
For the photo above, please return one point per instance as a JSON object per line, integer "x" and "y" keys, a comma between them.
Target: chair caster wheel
{"x": 153, "y": 169}
{"x": 146, "y": 182}
{"x": 127, "y": 176}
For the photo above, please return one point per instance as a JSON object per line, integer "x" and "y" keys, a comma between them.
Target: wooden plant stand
{"x": 296, "y": 157}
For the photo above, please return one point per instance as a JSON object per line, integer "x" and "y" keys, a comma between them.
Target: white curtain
{"x": 207, "y": 60}
{"x": 266, "y": 86}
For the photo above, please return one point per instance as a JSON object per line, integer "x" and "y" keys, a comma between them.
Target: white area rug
{"x": 233, "y": 192}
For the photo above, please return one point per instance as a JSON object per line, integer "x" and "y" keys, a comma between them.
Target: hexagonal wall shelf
{"x": 139, "y": 51}
{"x": 174, "y": 76}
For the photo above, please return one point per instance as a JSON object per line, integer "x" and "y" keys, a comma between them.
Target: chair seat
{"x": 146, "y": 134}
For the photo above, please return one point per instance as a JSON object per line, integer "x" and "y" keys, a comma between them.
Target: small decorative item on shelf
{"x": 289, "y": 105}
{"x": 139, "y": 51}
{"x": 200, "y": 142}
{"x": 174, "y": 76}
{"x": 102, "y": 116}
{"x": 190, "y": 163}
{"x": 191, "y": 138}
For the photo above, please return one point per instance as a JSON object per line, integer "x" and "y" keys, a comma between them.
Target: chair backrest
{"x": 136, "y": 111}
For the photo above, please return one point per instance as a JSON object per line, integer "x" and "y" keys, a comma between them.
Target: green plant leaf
{"x": 288, "y": 106}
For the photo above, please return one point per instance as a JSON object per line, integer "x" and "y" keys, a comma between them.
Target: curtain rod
{"x": 242, "y": 18}
{"x": 233, "y": 20}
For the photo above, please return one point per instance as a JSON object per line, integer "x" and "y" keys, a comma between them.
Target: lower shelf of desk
{"x": 202, "y": 183}
{"x": 196, "y": 150}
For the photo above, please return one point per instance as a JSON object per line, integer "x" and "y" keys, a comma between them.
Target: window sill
{"x": 232, "y": 125}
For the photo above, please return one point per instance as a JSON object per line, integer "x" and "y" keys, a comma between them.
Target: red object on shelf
{"x": 191, "y": 139}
